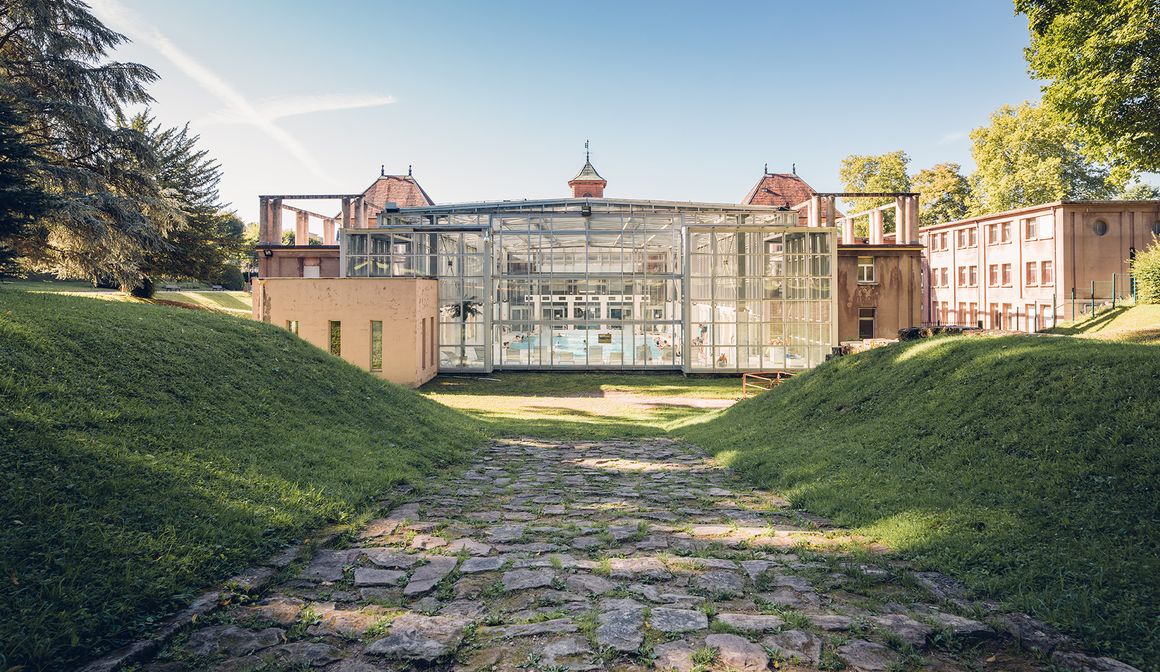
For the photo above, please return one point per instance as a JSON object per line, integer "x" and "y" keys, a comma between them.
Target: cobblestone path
{"x": 620, "y": 555}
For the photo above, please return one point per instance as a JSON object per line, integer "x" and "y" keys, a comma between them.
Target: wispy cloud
{"x": 291, "y": 106}
{"x": 238, "y": 109}
{"x": 953, "y": 137}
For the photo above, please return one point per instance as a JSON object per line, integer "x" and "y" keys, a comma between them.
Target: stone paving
{"x": 618, "y": 555}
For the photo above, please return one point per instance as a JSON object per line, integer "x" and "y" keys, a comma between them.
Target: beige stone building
{"x": 1026, "y": 269}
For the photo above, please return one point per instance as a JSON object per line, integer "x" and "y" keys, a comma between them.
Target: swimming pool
{"x": 610, "y": 347}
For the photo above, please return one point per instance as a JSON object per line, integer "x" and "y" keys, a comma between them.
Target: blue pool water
{"x": 578, "y": 341}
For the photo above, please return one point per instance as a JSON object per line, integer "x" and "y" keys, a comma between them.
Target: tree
{"x": 108, "y": 213}
{"x": 1140, "y": 191}
{"x": 21, "y": 199}
{"x": 881, "y": 172}
{"x": 1102, "y": 62}
{"x": 204, "y": 239}
{"x": 945, "y": 193}
{"x": 1028, "y": 156}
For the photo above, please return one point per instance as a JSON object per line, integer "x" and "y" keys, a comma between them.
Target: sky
{"x": 494, "y": 100}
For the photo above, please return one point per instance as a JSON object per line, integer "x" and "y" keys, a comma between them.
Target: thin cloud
{"x": 238, "y": 108}
{"x": 292, "y": 106}
{"x": 949, "y": 138}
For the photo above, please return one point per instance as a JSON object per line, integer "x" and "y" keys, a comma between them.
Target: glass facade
{"x": 577, "y": 284}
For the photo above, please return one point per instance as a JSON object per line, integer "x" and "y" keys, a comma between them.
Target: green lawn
{"x": 1135, "y": 324}
{"x": 581, "y": 406}
{"x": 1027, "y": 466}
{"x": 149, "y": 452}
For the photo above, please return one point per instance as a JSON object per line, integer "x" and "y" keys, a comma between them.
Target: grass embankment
{"x": 222, "y": 301}
{"x": 1132, "y": 324}
{"x": 148, "y": 452}
{"x": 1027, "y": 466}
{"x": 579, "y": 405}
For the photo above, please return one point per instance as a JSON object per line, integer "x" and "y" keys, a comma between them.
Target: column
{"x": 328, "y": 232}
{"x": 876, "y": 226}
{"x": 847, "y": 229}
{"x": 831, "y": 211}
{"x": 899, "y": 218}
{"x": 276, "y": 221}
{"x": 301, "y": 228}
{"x": 815, "y": 214}
{"x": 913, "y": 221}
{"x": 346, "y": 212}
{"x": 263, "y": 220}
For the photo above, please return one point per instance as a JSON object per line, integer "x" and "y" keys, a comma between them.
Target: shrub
{"x": 1146, "y": 269}
{"x": 231, "y": 278}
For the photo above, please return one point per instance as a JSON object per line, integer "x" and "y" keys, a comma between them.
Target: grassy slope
{"x": 147, "y": 452}
{"x": 1135, "y": 324}
{"x": 1029, "y": 467}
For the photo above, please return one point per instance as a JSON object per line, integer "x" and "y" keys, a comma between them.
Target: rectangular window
{"x": 1047, "y": 273}
{"x": 1009, "y": 317}
{"x": 992, "y": 234}
{"x": 993, "y": 275}
{"x": 292, "y": 326}
{"x": 961, "y": 315}
{"x": 973, "y": 276}
{"x": 423, "y": 339}
{"x": 1005, "y": 232}
{"x": 972, "y": 237}
{"x": 1006, "y": 275}
{"x": 1032, "y": 273}
{"x": 866, "y": 270}
{"x": 962, "y": 276}
{"x": 944, "y": 310}
{"x": 946, "y": 280}
{"x": 961, "y": 238}
{"x": 335, "y": 338}
{"x": 377, "y": 345}
{"x": 865, "y": 323}
{"x": 1029, "y": 229}
{"x": 943, "y": 244}
{"x": 996, "y": 317}
{"x": 431, "y": 333}
{"x": 974, "y": 313}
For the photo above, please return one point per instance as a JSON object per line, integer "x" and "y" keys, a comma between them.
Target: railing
{"x": 762, "y": 381}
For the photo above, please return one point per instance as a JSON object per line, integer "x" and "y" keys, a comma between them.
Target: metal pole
{"x": 1093, "y": 298}
{"x": 1113, "y": 291}
{"x": 1073, "y": 304}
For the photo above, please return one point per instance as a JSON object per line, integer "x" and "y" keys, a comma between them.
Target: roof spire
{"x": 587, "y": 154}
{"x": 766, "y": 168}
{"x": 408, "y": 170}
{"x": 794, "y": 168}
{"x": 383, "y": 170}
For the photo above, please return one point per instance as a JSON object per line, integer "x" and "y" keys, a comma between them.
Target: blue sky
{"x": 682, "y": 101}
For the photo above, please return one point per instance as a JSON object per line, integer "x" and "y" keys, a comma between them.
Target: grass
{"x": 1132, "y": 324}
{"x": 230, "y": 302}
{"x": 150, "y": 452}
{"x": 1027, "y": 466}
{"x": 581, "y": 406}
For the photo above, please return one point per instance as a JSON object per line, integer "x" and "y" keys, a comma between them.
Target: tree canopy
{"x": 945, "y": 193}
{"x": 1102, "y": 62}
{"x": 1027, "y": 155}
{"x": 875, "y": 172}
{"x": 103, "y": 196}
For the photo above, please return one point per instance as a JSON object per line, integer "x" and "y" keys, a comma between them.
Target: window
{"x": 1009, "y": 317}
{"x": 972, "y": 276}
{"x": 961, "y": 315}
{"x": 996, "y": 317}
{"x": 974, "y": 313}
{"x": 865, "y": 323}
{"x": 1100, "y": 227}
{"x": 962, "y": 276}
{"x": 1005, "y": 232}
{"x": 423, "y": 336}
{"x": 1029, "y": 229}
{"x": 1046, "y": 273}
{"x": 992, "y": 234}
{"x": 866, "y": 270}
{"x": 993, "y": 275}
{"x": 944, "y": 312}
{"x": 1006, "y": 275}
{"x": 335, "y": 339}
{"x": 961, "y": 238}
{"x": 292, "y": 326}
{"x": 943, "y": 241}
{"x": 377, "y": 344}
{"x": 1032, "y": 275}
{"x": 972, "y": 237}
{"x": 431, "y": 336}
{"x": 1032, "y": 318}
{"x": 946, "y": 280}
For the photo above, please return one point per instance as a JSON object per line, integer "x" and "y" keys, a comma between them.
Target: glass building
{"x": 613, "y": 284}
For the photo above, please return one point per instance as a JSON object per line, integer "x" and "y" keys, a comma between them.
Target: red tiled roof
{"x": 402, "y": 190}
{"x": 779, "y": 189}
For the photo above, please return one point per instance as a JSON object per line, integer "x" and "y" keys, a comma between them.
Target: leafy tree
{"x": 204, "y": 239}
{"x": 945, "y": 193}
{"x": 108, "y": 213}
{"x": 1102, "y": 62}
{"x": 21, "y": 199}
{"x": 875, "y": 172}
{"x": 1140, "y": 191}
{"x": 1027, "y": 156}
{"x": 1146, "y": 270}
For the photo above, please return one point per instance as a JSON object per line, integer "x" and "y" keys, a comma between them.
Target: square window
{"x": 866, "y": 270}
